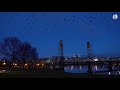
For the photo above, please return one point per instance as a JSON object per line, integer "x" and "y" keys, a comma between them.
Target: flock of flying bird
{"x": 87, "y": 21}
{"x": 32, "y": 20}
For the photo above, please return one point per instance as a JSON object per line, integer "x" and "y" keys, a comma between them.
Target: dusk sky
{"x": 44, "y": 30}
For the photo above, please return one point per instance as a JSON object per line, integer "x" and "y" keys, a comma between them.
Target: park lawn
{"x": 50, "y": 74}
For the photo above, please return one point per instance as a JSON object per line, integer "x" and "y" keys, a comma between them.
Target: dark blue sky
{"x": 44, "y": 30}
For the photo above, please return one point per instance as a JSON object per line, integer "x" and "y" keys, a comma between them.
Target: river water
{"x": 95, "y": 69}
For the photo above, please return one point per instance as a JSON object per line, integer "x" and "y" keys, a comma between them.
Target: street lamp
{"x": 4, "y": 63}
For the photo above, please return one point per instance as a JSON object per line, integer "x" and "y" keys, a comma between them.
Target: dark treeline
{"x": 14, "y": 49}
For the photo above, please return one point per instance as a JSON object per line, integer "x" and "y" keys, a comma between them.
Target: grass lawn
{"x": 50, "y": 74}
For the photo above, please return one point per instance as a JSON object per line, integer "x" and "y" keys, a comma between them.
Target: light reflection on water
{"x": 75, "y": 69}
{"x": 84, "y": 69}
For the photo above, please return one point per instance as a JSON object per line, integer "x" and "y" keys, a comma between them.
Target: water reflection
{"x": 95, "y": 68}
{"x": 80, "y": 67}
{"x": 75, "y": 69}
{"x": 72, "y": 67}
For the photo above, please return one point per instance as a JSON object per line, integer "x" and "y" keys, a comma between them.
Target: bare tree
{"x": 27, "y": 52}
{"x": 34, "y": 54}
{"x": 10, "y": 47}
{"x": 14, "y": 49}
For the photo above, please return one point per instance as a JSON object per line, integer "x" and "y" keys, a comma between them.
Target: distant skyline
{"x": 44, "y": 30}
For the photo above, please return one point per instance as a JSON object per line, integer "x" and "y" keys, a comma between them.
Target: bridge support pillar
{"x": 110, "y": 66}
{"x": 90, "y": 68}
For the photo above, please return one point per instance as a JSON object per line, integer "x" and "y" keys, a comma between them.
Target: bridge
{"x": 93, "y": 62}
{"x": 109, "y": 64}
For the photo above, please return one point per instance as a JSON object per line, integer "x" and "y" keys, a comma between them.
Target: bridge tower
{"x": 89, "y": 50}
{"x": 90, "y": 56}
{"x": 61, "y": 53}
